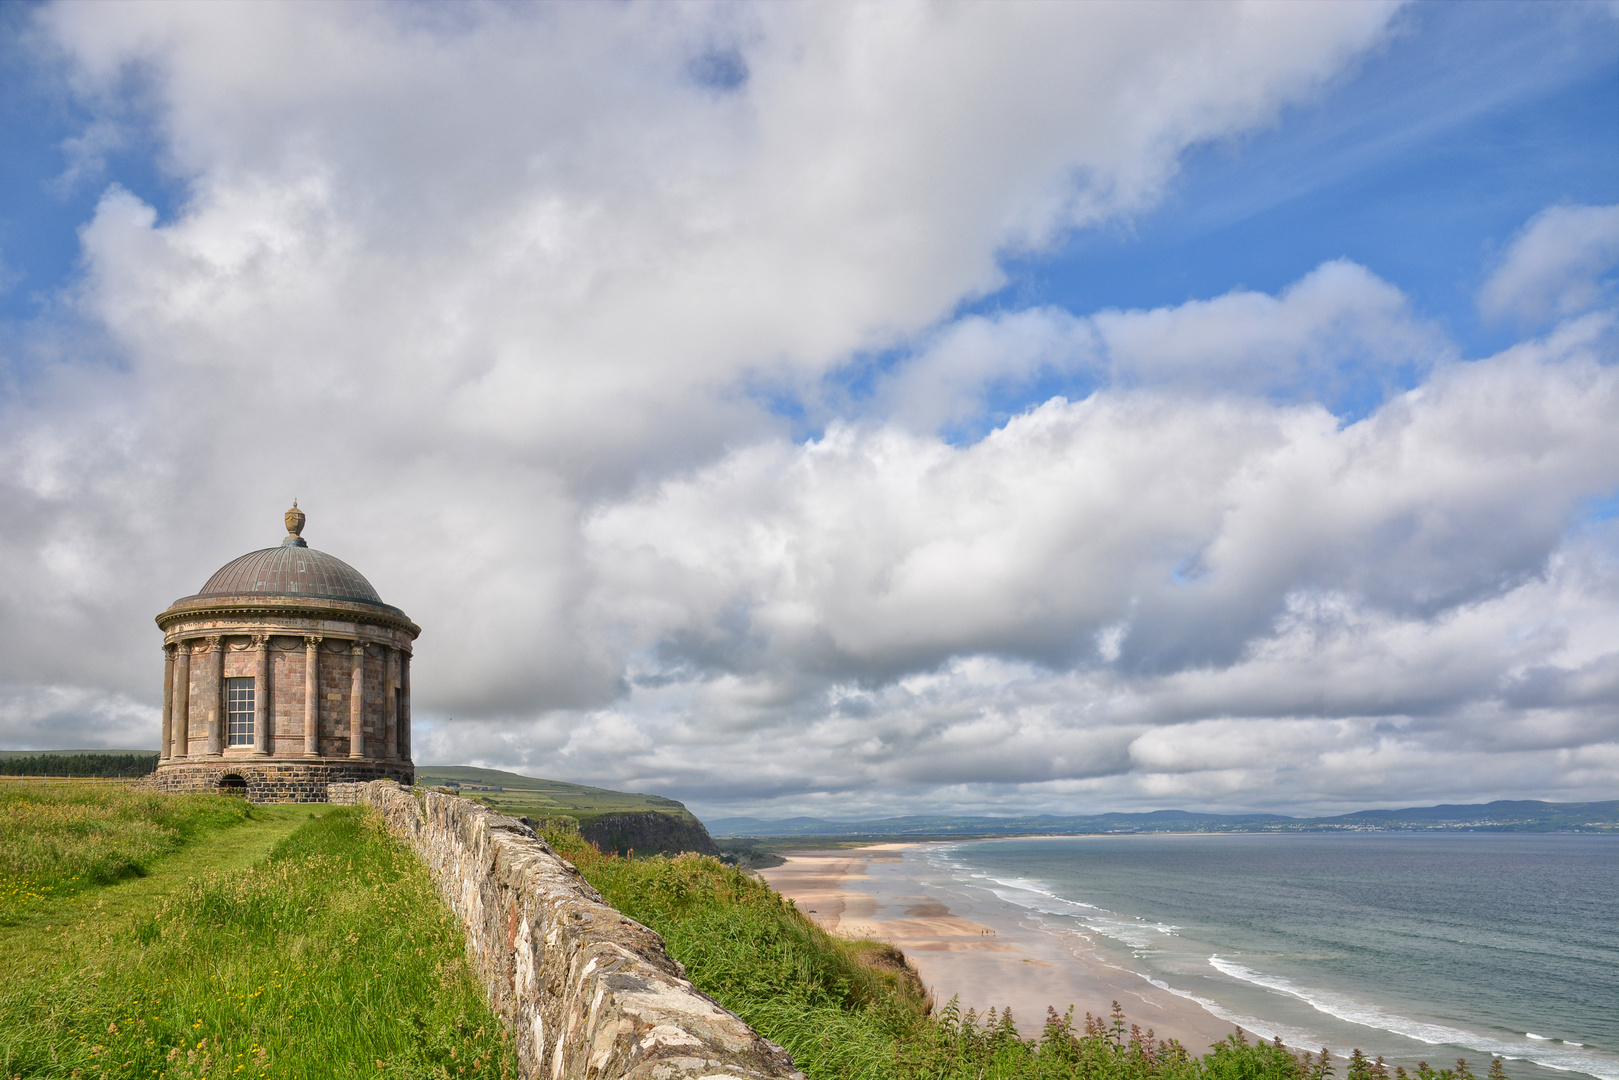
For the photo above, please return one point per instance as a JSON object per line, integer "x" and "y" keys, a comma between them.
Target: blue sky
{"x": 1421, "y": 164}
{"x": 1064, "y": 407}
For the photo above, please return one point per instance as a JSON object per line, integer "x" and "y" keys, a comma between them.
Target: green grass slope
{"x": 191, "y": 936}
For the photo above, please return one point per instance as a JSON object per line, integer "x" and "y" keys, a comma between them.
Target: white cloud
{"x": 461, "y": 271}
{"x": 1336, "y": 325}
{"x": 497, "y": 292}
{"x": 75, "y": 717}
{"x": 1152, "y": 597}
{"x": 1555, "y": 265}
{"x": 1338, "y": 331}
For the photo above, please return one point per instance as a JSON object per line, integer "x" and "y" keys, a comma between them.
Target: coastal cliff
{"x": 615, "y": 821}
{"x": 648, "y": 832}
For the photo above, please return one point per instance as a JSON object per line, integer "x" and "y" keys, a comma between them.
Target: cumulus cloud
{"x": 1339, "y": 332}
{"x": 509, "y": 296}
{"x": 1160, "y": 589}
{"x": 1555, "y": 266}
{"x": 464, "y": 271}
{"x": 1338, "y": 325}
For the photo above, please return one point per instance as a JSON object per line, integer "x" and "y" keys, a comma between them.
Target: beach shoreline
{"x": 983, "y": 959}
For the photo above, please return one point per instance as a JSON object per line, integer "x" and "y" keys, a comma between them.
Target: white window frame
{"x": 239, "y": 709}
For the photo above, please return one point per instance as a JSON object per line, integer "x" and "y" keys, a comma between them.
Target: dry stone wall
{"x": 588, "y": 993}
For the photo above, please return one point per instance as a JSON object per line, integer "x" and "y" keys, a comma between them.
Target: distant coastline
{"x": 1498, "y": 816}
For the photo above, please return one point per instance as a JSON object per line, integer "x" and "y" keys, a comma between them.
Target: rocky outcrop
{"x": 648, "y": 832}
{"x": 587, "y": 992}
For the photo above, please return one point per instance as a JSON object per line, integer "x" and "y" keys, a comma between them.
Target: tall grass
{"x": 837, "y": 1006}
{"x": 333, "y": 957}
{"x": 59, "y": 838}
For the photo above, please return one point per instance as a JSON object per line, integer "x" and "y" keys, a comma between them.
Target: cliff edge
{"x": 648, "y": 832}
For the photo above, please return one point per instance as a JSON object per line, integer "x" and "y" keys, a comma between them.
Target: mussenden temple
{"x": 284, "y": 675}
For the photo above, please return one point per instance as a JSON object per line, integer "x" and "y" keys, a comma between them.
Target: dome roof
{"x": 293, "y": 569}
{"x": 290, "y": 570}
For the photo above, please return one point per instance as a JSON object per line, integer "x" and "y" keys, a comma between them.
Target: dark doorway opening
{"x": 232, "y": 784}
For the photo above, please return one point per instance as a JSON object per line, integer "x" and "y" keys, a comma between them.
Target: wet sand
{"x": 986, "y": 958}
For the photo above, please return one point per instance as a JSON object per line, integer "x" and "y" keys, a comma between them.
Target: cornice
{"x": 249, "y": 606}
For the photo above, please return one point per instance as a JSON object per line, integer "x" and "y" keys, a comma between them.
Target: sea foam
{"x": 1165, "y": 956}
{"x": 1350, "y": 1010}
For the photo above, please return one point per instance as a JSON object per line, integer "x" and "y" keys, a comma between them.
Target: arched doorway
{"x": 232, "y": 784}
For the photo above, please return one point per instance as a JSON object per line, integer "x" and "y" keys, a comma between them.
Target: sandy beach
{"x": 985, "y": 958}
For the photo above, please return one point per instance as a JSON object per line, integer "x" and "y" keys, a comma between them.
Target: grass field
{"x": 194, "y": 936}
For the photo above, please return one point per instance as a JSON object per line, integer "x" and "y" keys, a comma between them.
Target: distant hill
{"x": 1500, "y": 816}
{"x": 612, "y": 820}
{"x": 552, "y": 797}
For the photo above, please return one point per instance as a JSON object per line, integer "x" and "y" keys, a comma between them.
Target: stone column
{"x": 216, "y": 719}
{"x": 404, "y": 706}
{"x": 182, "y": 701}
{"x": 311, "y": 696}
{"x": 357, "y": 703}
{"x": 261, "y": 695}
{"x": 390, "y": 703}
{"x": 166, "y": 747}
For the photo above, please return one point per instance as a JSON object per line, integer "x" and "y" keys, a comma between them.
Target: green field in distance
{"x": 529, "y": 796}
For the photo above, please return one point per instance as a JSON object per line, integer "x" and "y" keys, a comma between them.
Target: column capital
{"x": 216, "y": 642}
{"x": 357, "y": 648}
{"x": 312, "y": 640}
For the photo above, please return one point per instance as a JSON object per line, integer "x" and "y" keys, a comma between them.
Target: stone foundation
{"x": 293, "y": 781}
{"x": 586, "y": 992}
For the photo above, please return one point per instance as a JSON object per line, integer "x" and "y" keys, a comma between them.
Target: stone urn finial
{"x": 295, "y": 521}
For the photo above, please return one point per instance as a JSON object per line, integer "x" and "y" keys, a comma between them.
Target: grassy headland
{"x": 612, "y": 820}
{"x": 543, "y": 800}
{"x": 203, "y": 937}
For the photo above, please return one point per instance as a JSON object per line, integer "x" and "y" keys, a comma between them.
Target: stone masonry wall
{"x": 277, "y": 782}
{"x": 588, "y": 993}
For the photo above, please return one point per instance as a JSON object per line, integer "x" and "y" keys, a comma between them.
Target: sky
{"x": 842, "y": 409}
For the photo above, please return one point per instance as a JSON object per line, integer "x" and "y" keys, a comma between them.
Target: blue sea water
{"x": 1417, "y": 946}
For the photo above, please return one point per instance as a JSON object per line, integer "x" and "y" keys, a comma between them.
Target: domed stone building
{"x": 284, "y": 674}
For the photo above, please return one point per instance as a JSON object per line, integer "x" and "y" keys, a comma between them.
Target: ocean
{"x": 1416, "y": 946}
